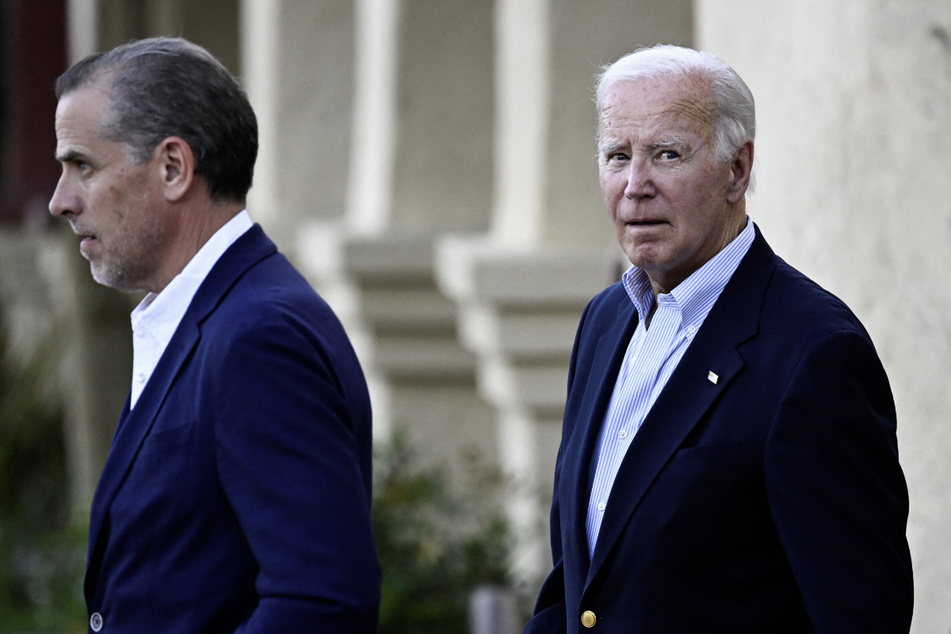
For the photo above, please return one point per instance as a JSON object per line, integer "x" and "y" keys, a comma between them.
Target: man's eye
{"x": 668, "y": 155}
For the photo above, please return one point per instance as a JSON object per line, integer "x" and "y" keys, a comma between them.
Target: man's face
{"x": 674, "y": 206}
{"x": 110, "y": 201}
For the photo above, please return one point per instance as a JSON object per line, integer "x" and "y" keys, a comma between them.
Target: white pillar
{"x": 370, "y": 175}
{"x": 82, "y": 18}
{"x": 522, "y": 110}
{"x": 297, "y": 59}
{"x": 420, "y": 164}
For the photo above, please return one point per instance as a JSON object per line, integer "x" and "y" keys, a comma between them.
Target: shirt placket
{"x": 642, "y": 380}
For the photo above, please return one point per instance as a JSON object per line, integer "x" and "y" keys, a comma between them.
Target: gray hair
{"x": 735, "y": 122}
{"x": 164, "y": 87}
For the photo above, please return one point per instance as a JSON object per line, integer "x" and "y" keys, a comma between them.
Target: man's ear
{"x": 740, "y": 171}
{"x": 176, "y": 166}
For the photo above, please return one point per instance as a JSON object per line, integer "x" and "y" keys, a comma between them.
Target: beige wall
{"x": 853, "y": 159}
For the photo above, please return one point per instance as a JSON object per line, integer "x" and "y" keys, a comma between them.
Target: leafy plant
{"x": 438, "y": 539}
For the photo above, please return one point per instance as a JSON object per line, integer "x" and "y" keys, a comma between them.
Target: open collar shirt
{"x": 652, "y": 356}
{"x": 157, "y": 316}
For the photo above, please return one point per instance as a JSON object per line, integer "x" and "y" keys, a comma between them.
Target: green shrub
{"x": 437, "y": 541}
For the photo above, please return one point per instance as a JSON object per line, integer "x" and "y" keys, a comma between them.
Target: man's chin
{"x": 644, "y": 256}
{"x": 106, "y": 276}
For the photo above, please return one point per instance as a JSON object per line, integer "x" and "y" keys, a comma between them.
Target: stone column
{"x": 853, "y": 149}
{"x": 297, "y": 61}
{"x": 419, "y": 166}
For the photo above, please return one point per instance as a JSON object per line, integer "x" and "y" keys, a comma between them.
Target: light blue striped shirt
{"x": 652, "y": 355}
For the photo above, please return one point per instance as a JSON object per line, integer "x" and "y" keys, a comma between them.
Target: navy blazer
{"x": 763, "y": 491}
{"x": 236, "y": 495}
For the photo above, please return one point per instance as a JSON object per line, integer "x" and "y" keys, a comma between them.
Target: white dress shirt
{"x": 157, "y": 316}
{"x": 652, "y": 356}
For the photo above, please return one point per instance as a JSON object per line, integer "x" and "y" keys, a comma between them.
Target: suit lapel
{"x": 689, "y": 393}
{"x": 603, "y": 371}
{"x": 135, "y": 425}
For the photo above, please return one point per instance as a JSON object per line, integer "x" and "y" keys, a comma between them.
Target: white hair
{"x": 735, "y": 121}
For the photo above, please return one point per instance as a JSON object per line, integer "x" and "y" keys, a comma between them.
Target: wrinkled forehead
{"x": 666, "y": 97}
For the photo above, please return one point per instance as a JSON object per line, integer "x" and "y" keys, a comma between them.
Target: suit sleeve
{"x": 837, "y": 492}
{"x": 290, "y": 466}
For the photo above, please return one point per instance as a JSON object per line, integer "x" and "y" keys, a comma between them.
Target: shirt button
{"x": 602, "y": 506}
{"x": 140, "y": 378}
{"x": 95, "y": 622}
{"x": 622, "y": 434}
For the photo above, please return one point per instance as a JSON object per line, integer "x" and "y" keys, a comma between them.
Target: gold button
{"x": 588, "y": 619}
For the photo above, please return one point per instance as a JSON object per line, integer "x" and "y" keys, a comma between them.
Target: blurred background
{"x": 430, "y": 166}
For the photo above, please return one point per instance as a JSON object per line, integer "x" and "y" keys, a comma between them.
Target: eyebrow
{"x": 70, "y": 156}
{"x": 607, "y": 149}
{"x": 674, "y": 142}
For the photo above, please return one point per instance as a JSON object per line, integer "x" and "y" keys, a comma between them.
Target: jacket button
{"x": 588, "y": 619}
{"x": 95, "y": 622}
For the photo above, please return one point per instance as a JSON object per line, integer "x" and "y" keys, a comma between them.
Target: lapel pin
{"x": 713, "y": 377}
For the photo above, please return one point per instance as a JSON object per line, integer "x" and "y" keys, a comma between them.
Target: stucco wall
{"x": 853, "y": 156}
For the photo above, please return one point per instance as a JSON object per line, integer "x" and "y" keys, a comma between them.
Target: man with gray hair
{"x": 728, "y": 460}
{"x": 236, "y": 494}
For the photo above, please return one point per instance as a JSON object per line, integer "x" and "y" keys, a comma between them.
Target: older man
{"x": 728, "y": 459}
{"x": 236, "y": 494}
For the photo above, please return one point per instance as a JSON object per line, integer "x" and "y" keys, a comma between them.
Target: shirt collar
{"x": 161, "y": 312}
{"x": 696, "y": 295}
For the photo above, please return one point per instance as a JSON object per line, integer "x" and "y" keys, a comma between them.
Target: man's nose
{"x": 639, "y": 181}
{"x": 63, "y": 202}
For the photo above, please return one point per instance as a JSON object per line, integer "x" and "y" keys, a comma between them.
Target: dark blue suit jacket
{"x": 769, "y": 499}
{"x": 236, "y": 495}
